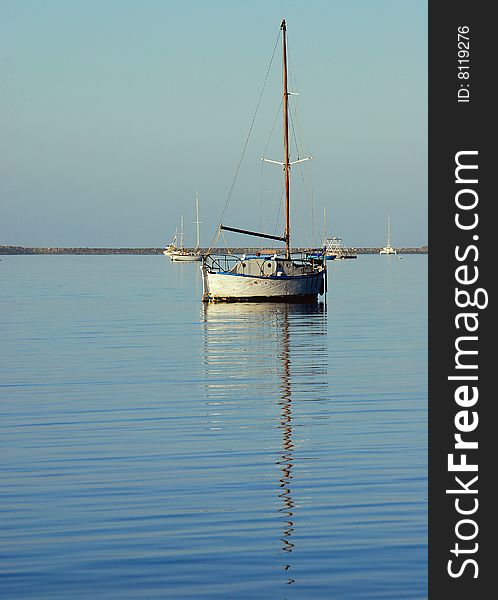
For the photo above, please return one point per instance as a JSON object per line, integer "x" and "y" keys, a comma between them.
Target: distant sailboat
{"x": 388, "y": 249}
{"x": 334, "y": 248}
{"x": 182, "y": 254}
{"x": 272, "y": 277}
{"x": 171, "y": 247}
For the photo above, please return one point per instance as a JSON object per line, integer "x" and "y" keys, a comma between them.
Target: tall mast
{"x": 197, "y": 221}
{"x": 388, "y": 230}
{"x": 181, "y": 231}
{"x": 286, "y": 140}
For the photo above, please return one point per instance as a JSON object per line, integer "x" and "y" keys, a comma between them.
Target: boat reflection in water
{"x": 264, "y": 362}
{"x": 286, "y": 463}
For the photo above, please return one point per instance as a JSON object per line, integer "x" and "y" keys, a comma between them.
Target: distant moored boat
{"x": 182, "y": 254}
{"x": 388, "y": 249}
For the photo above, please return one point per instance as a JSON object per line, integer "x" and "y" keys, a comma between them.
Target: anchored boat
{"x": 171, "y": 247}
{"x": 388, "y": 249}
{"x": 183, "y": 254}
{"x": 334, "y": 248}
{"x": 280, "y": 276}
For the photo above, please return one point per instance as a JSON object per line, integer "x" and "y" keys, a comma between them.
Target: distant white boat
{"x": 170, "y": 248}
{"x": 283, "y": 276}
{"x": 388, "y": 249}
{"x": 181, "y": 254}
{"x": 185, "y": 256}
{"x": 334, "y": 248}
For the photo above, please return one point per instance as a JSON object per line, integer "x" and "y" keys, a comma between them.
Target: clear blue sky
{"x": 115, "y": 113}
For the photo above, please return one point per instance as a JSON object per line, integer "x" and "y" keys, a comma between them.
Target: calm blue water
{"x": 154, "y": 447}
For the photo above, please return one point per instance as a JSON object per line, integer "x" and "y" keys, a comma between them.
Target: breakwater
{"x": 45, "y": 250}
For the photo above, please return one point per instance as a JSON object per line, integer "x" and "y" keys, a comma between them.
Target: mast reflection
{"x": 286, "y": 462}
{"x": 246, "y": 343}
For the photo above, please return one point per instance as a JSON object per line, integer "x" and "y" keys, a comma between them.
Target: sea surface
{"x": 155, "y": 447}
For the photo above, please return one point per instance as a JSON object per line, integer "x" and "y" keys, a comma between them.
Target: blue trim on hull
{"x": 276, "y": 277}
{"x": 297, "y": 299}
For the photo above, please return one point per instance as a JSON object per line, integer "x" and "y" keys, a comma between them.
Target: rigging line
{"x": 302, "y": 171}
{"x": 279, "y": 209}
{"x": 225, "y": 241}
{"x": 293, "y": 129}
{"x": 304, "y": 180}
{"x": 300, "y": 132}
{"x": 216, "y": 238}
{"x": 293, "y": 106}
{"x": 296, "y": 129}
{"x": 261, "y": 203}
{"x": 313, "y": 237}
{"x": 249, "y": 133}
{"x": 298, "y": 124}
{"x": 307, "y": 180}
{"x": 308, "y": 184}
{"x": 301, "y": 135}
{"x": 264, "y": 154}
{"x": 273, "y": 126}
{"x": 293, "y": 80}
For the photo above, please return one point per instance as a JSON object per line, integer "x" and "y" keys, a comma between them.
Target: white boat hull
{"x": 185, "y": 257}
{"x": 233, "y": 287}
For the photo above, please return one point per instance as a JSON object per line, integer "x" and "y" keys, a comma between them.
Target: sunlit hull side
{"x": 177, "y": 257}
{"x": 227, "y": 287}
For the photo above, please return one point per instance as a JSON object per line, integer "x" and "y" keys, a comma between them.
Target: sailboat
{"x": 182, "y": 254}
{"x": 334, "y": 248}
{"x": 388, "y": 249}
{"x": 171, "y": 247}
{"x": 287, "y": 276}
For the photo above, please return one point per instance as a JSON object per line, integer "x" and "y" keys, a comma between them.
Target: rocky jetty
{"x": 35, "y": 250}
